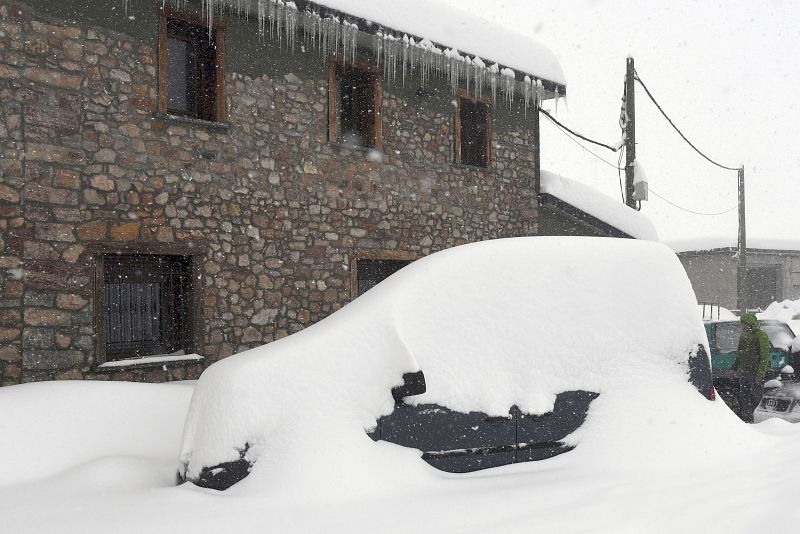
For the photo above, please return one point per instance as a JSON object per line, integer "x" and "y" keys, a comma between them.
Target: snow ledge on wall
{"x": 600, "y": 206}
{"x": 151, "y": 360}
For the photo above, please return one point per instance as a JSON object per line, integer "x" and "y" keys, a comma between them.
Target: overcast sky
{"x": 727, "y": 74}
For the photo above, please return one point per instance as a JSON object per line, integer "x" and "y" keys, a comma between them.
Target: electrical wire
{"x": 576, "y": 134}
{"x": 564, "y": 130}
{"x": 619, "y": 174}
{"x": 652, "y": 98}
{"x": 692, "y": 211}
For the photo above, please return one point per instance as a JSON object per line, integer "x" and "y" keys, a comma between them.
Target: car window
{"x": 779, "y": 335}
{"x": 728, "y": 336}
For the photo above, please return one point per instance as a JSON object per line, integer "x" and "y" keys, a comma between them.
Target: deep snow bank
{"x": 49, "y": 427}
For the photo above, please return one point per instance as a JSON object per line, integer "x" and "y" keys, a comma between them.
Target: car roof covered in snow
{"x": 491, "y": 324}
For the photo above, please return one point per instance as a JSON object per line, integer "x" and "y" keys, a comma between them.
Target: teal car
{"x": 723, "y": 339}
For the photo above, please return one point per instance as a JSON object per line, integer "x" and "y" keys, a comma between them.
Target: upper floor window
{"x": 191, "y": 68}
{"x": 473, "y": 131}
{"x": 354, "y": 103}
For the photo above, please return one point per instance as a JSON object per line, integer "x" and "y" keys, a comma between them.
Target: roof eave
{"x": 551, "y": 88}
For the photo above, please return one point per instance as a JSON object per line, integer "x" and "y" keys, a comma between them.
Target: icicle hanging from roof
{"x": 332, "y": 35}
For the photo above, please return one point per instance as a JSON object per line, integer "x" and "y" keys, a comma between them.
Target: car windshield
{"x": 728, "y": 336}
{"x": 779, "y": 334}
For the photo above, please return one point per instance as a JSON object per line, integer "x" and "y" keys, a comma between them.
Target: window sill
{"x": 469, "y": 167}
{"x": 189, "y": 121}
{"x": 355, "y": 148}
{"x": 150, "y": 361}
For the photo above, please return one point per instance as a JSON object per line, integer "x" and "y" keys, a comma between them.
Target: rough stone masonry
{"x": 274, "y": 213}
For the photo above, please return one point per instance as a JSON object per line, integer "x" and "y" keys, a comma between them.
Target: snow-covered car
{"x": 507, "y": 376}
{"x": 782, "y": 402}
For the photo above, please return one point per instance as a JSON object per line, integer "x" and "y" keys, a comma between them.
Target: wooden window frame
{"x": 382, "y": 255}
{"x": 194, "y": 254}
{"x": 461, "y": 94}
{"x": 167, "y": 13}
{"x": 334, "y": 65}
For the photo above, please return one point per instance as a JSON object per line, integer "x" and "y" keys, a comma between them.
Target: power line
{"x": 619, "y": 175}
{"x": 576, "y": 134}
{"x": 638, "y": 79}
{"x": 692, "y": 211}
{"x": 564, "y": 130}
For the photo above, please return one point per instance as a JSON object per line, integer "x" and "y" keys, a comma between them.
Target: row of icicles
{"x": 398, "y": 56}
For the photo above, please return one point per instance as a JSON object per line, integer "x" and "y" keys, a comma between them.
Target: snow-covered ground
{"x": 653, "y": 455}
{"x": 86, "y": 457}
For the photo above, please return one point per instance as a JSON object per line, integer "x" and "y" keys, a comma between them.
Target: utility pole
{"x": 741, "y": 267}
{"x": 630, "y": 133}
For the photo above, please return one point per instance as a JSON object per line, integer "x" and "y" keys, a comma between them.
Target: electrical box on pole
{"x": 630, "y": 134}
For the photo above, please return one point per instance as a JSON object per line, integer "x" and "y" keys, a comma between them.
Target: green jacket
{"x": 752, "y": 355}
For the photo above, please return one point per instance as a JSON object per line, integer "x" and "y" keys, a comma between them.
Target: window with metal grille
{"x": 370, "y": 273}
{"x": 473, "y": 132}
{"x": 147, "y": 301}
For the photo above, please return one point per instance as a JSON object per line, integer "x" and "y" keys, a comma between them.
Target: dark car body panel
{"x": 459, "y": 442}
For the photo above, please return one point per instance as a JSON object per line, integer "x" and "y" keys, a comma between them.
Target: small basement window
{"x": 370, "y": 273}
{"x": 191, "y": 68}
{"x": 354, "y": 103}
{"x": 145, "y": 306}
{"x": 473, "y": 131}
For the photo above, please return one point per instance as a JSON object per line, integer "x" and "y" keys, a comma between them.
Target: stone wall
{"x": 275, "y": 213}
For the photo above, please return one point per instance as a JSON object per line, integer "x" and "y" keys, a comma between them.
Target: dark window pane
{"x": 355, "y": 108}
{"x": 178, "y": 75}
{"x": 191, "y": 70}
{"x": 474, "y": 132}
{"x": 372, "y": 272}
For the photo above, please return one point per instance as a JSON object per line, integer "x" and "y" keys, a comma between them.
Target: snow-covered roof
{"x": 702, "y": 243}
{"x": 598, "y": 205}
{"x": 427, "y": 36}
{"x": 452, "y": 27}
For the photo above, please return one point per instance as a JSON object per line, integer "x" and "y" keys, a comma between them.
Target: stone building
{"x": 773, "y": 270}
{"x": 177, "y": 186}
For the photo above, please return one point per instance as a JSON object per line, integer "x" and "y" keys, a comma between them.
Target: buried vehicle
{"x": 468, "y": 355}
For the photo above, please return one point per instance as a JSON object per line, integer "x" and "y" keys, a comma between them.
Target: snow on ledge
{"x": 600, "y": 206}
{"x": 147, "y": 360}
{"x": 696, "y": 244}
